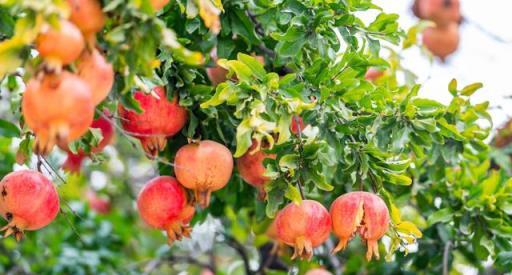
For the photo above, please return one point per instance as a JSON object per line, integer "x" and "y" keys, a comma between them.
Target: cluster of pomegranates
{"x": 443, "y": 38}
{"x": 56, "y": 93}
{"x": 307, "y": 225}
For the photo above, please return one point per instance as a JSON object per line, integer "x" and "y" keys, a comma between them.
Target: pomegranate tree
{"x": 204, "y": 167}
{"x": 304, "y": 226}
{"x": 360, "y": 213}
{"x": 159, "y": 120}
{"x": 58, "y": 108}
{"x": 87, "y": 16}
{"x": 441, "y": 41}
{"x": 163, "y": 204}
{"x": 28, "y": 201}
{"x": 60, "y": 45}
{"x": 251, "y": 168}
{"x": 97, "y": 72}
{"x": 74, "y": 161}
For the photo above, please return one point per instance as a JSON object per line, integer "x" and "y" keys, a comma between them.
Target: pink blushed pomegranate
{"x": 159, "y": 120}
{"x": 28, "y": 201}
{"x": 303, "y": 227}
{"x": 163, "y": 204}
{"x": 360, "y": 213}
{"x": 251, "y": 168}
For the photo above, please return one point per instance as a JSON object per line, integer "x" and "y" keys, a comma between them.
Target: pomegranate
{"x": 504, "y": 135}
{"x": 163, "y": 204}
{"x": 251, "y": 168}
{"x": 295, "y": 124}
{"x": 303, "y": 226}
{"x": 87, "y": 16}
{"x": 160, "y": 119}
{"x": 204, "y": 167}
{"x": 318, "y": 271}
{"x": 442, "y": 12}
{"x": 363, "y": 213}
{"x": 74, "y": 161}
{"x": 373, "y": 74}
{"x": 60, "y": 46}
{"x": 58, "y": 108}
{"x": 29, "y": 201}
{"x": 158, "y": 4}
{"x": 97, "y": 72}
{"x": 98, "y": 204}
{"x": 442, "y": 41}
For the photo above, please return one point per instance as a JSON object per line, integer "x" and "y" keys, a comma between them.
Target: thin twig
{"x": 240, "y": 249}
{"x": 301, "y": 162}
{"x": 446, "y": 256}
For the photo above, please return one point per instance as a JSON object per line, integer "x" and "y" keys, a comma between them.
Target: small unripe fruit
{"x": 303, "y": 227}
{"x": 360, "y": 213}
{"x": 97, "y": 72}
{"x": 159, "y": 120}
{"x": 62, "y": 45}
{"x": 251, "y": 168}
{"x": 58, "y": 109}
{"x": 441, "y": 41}
{"x": 28, "y": 201}
{"x": 163, "y": 204}
{"x": 204, "y": 167}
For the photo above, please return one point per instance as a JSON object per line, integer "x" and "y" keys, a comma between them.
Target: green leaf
{"x": 292, "y": 193}
{"x": 243, "y": 137}
{"x": 452, "y": 87}
{"x": 443, "y": 215}
{"x": 255, "y": 66}
{"x": 470, "y": 89}
{"x": 8, "y": 129}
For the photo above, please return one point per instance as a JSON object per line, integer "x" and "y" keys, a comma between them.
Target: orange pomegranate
{"x": 373, "y": 74}
{"x": 304, "y": 227}
{"x": 159, "y": 120}
{"x": 58, "y": 109}
{"x": 61, "y": 45}
{"x": 28, "y": 201}
{"x": 441, "y": 41}
{"x": 204, "y": 167}
{"x": 87, "y": 16}
{"x": 251, "y": 169}
{"x": 97, "y": 72}
{"x": 163, "y": 204}
{"x": 442, "y": 12}
{"x": 360, "y": 213}
{"x": 158, "y": 4}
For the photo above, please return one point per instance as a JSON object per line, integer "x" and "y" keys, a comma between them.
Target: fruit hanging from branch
{"x": 304, "y": 227}
{"x": 162, "y": 203}
{"x": 60, "y": 45}
{"x": 251, "y": 169}
{"x": 360, "y": 213}
{"x": 441, "y": 41}
{"x": 58, "y": 108}
{"x": 74, "y": 161}
{"x": 28, "y": 201}
{"x": 158, "y": 4}
{"x": 159, "y": 120}
{"x": 98, "y": 204}
{"x": 441, "y": 12}
{"x": 296, "y": 124}
{"x": 87, "y": 16}
{"x": 97, "y": 72}
{"x": 203, "y": 167}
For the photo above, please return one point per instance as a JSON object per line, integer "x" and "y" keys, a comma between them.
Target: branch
{"x": 301, "y": 149}
{"x": 240, "y": 249}
{"x": 446, "y": 256}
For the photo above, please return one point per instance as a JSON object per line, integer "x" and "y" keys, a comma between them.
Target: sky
{"x": 480, "y": 57}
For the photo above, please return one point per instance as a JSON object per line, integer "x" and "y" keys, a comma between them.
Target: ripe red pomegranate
{"x": 251, "y": 168}
{"x": 60, "y": 46}
{"x": 296, "y": 123}
{"x": 303, "y": 226}
{"x": 73, "y": 162}
{"x": 163, "y": 204}
{"x": 28, "y": 201}
{"x": 373, "y": 74}
{"x": 58, "y": 108}
{"x": 360, "y": 213}
{"x": 204, "y": 167}
{"x": 98, "y": 204}
{"x": 442, "y": 41}
{"x": 158, "y": 4}
{"x": 442, "y": 12}
{"x": 87, "y": 16}
{"x": 161, "y": 119}
{"x": 97, "y": 72}
{"x": 318, "y": 271}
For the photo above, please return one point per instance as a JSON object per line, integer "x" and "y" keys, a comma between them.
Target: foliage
{"x": 429, "y": 161}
